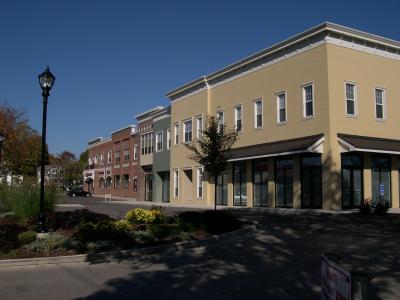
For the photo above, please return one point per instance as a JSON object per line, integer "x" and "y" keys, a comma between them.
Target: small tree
{"x": 213, "y": 149}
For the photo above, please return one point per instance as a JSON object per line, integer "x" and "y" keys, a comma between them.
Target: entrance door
{"x": 311, "y": 187}
{"x": 148, "y": 187}
{"x": 352, "y": 180}
{"x": 165, "y": 186}
{"x": 222, "y": 189}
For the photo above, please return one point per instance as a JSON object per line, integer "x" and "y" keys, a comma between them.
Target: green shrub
{"x": 161, "y": 231}
{"x": 145, "y": 216}
{"x": 9, "y": 236}
{"x": 52, "y": 242}
{"x": 27, "y": 237}
{"x": 70, "y": 219}
{"x": 104, "y": 230}
{"x": 365, "y": 207}
{"x": 24, "y": 199}
{"x": 381, "y": 208}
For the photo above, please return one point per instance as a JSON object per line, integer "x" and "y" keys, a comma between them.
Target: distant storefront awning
{"x": 368, "y": 144}
{"x": 312, "y": 144}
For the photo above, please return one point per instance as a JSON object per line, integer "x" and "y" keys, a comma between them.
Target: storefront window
{"x": 352, "y": 180}
{"x": 222, "y": 189}
{"x": 284, "y": 183}
{"x": 380, "y": 173}
{"x": 260, "y": 183}
{"x": 311, "y": 172}
{"x": 239, "y": 184}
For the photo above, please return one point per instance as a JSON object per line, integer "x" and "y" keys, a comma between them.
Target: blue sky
{"x": 114, "y": 59}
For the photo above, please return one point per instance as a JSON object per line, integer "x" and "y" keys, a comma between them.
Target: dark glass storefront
{"x": 239, "y": 184}
{"x": 222, "y": 189}
{"x": 352, "y": 180}
{"x": 380, "y": 175}
{"x": 284, "y": 182}
{"x": 311, "y": 182}
{"x": 260, "y": 183}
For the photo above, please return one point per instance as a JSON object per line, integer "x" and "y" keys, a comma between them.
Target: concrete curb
{"x": 117, "y": 256}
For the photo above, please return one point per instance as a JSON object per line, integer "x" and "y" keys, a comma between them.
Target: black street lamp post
{"x": 46, "y": 80}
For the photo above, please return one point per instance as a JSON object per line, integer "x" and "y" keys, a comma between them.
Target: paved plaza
{"x": 280, "y": 260}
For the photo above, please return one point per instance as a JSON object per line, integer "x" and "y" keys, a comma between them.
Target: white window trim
{"x": 168, "y": 138}
{"x": 255, "y": 113}
{"x": 162, "y": 141}
{"x": 198, "y": 136}
{"x": 355, "y": 99}
{"x": 175, "y": 133}
{"x": 304, "y": 100}
{"x": 135, "y": 152}
{"x": 278, "y": 115}
{"x": 184, "y": 141}
{"x": 236, "y": 119}
{"x": 223, "y": 117}
{"x": 198, "y": 183}
{"x": 383, "y": 103}
{"x": 176, "y": 182}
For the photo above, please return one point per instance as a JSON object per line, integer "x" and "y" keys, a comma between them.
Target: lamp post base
{"x": 41, "y": 223}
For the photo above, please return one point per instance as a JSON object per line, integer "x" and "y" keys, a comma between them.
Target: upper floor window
{"x": 281, "y": 107}
{"x": 380, "y": 104}
{"x": 135, "y": 152}
{"x": 238, "y": 118}
{"x": 176, "y": 133}
{"x": 258, "y": 113}
{"x": 147, "y": 143}
{"x": 187, "y": 129}
{"x": 351, "y": 99}
{"x": 109, "y": 157}
{"x": 308, "y": 101}
{"x": 117, "y": 156}
{"x": 96, "y": 159}
{"x": 168, "y": 139}
{"x": 221, "y": 120}
{"x": 159, "y": 141}
{"x": 199, "y": 125}
{"x": 126, "y": 155}
{"x": 102, "y": 159}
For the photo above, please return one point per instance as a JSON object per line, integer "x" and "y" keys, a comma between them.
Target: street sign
{"x": 335, "y": 281}
{"x": 381, "y": 189}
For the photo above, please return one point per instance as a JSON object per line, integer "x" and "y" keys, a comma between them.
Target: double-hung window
{"x": 126, "y": 155}
{"x": 220, "y": 117}
{"x": 118, "y": 157}
{"x": 109, "y": 157}
{"x": 199, "y": 125}
{"x": 351, "y": 104}
{"x": 135, "y": 152}
{"x": 308, "y": 101}
{"x": 258, "y": 113}
{"x": 168, "y": 139}
{"x": 176, "y": 133}
{"x": 187, "y": 129}
{"x": 281, "y": 108}
{"x": 159, "y": 141}
{"x": 238, "y": 118}
{"x": 176, "y": 183}
{"x": 200, "y": 182}
{"x": 380, "y": 103}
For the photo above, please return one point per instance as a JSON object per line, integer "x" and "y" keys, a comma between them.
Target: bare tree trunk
{"x": 215, "y": 192}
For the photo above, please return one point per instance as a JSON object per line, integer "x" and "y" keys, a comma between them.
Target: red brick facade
{"x": 114, "y": 166}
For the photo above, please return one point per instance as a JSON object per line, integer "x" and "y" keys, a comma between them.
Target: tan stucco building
{"x": 317, "y": 116}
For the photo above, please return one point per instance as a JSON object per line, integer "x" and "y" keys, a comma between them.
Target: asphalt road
{"x": 281, "y": 260}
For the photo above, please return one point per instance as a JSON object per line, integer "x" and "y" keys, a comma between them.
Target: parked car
{"x": 78, "y": 192}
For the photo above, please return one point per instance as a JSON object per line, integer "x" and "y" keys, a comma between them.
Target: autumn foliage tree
{"x": 22, "y": 144}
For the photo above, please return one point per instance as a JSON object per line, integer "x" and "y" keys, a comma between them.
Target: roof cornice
{"x": 309, "y": 36}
